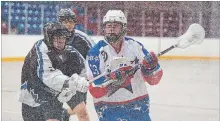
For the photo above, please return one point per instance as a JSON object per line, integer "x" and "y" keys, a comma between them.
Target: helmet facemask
{"x": 112, "y": 37}
{"x": 55, "y": 31}
{"x": 59, "y": 41}
{"x": 68, "y": 18}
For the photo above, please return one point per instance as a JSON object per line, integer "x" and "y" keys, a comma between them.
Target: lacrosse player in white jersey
{"x": 121, "y": 94}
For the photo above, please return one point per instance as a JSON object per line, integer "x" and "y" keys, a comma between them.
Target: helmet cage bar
{"x": 67, "y": 18}
{"x": 51, "y": 30}
{"x": 58, "y": 33}
{"x": 115, "y": 39}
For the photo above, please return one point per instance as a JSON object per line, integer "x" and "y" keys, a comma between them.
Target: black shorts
{"x": 77, "y": 99}
{"x": 49, "y": 110}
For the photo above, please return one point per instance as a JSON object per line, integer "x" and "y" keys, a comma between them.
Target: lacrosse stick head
{"x": 194, "y": 35}
{"x": 118, "y": 62}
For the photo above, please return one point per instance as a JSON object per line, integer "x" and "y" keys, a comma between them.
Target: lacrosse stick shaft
{"x": 159, "y": 54}
{"x": 166, "y": 50}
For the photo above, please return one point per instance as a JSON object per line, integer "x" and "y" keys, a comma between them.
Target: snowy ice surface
{"x": 188, "y": 91}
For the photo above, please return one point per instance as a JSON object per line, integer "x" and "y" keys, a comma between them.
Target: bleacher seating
{"x": 34, "y": 19}
{"x": 39, "y": 14}
{"x": 29, "y": 18}
{"x": 4, "y": 10}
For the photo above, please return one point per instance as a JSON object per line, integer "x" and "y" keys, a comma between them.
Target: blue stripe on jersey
{"x": 133, "y": 111}
{"x": 158, "y": 66}
{"x": 100, "y": 80}
{"x": 94, "y": 60}
{"x": 143, "y": 49}
{"x": 128, "y": 38}
{"x": 24, "y": 85}
{"x": 85, "y": 38}
{"x": 40, "y": 70}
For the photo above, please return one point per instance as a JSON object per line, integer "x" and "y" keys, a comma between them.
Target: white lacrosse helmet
{"x": 115, "y": 16}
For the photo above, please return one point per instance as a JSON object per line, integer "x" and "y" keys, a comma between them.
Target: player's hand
{"x": 120, "y": 73}
{"x": 149, "y": 62}
{"x": 65, "y": 95}
{"x": 120, "y": 77}
{"x": 78, "y": 83}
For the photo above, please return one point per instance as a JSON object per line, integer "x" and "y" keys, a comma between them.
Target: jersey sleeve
{"x": 74, "y": 62}
{"x": 94, "y": 64}
{"x": 51, "y": 77}
{"x": 156, "y": 74}
{"x": 85, "y": 37}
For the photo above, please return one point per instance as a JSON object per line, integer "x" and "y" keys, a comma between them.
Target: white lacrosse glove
{"x": 78, "y": 83}
{"x": 66, "y": 95}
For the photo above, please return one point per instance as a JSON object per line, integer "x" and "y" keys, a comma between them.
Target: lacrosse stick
{"x": 194, "y": 35}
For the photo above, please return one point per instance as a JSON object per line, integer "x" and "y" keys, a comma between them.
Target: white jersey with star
{"x": 98, "y": 59}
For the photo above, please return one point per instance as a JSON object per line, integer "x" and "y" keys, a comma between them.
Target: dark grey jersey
{"x": 81, "y": 42}
{"x": 44, "y": 72}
